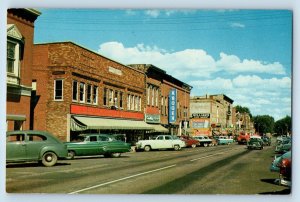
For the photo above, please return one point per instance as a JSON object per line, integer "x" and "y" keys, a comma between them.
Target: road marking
{"x": 121, "y": 179}
{"x": 203, "y": 157}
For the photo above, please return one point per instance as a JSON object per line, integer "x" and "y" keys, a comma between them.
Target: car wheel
{"x": 147, "y": 148}
{"x": 194, "y": 145}
{"x": 205, "y": 144}
{"x": 176, "y": 147}
{"x": 71, "y": 155}
{"x": 115, "y": 155}
{"x": 49, "y": 159}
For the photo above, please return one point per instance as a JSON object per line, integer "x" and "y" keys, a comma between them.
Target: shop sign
{"x": 115, "y": 71}
{"x": 172, "y": 105}
{"x": 152, "y": 118}
{"x": 201, "y": 115}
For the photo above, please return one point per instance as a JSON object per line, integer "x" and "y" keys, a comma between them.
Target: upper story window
{"x": 89, "y": 94}
{"x": 82, "y": 92}
{"x": 58, "y": 89}
{"x": 15, "y": 45}
{"x": 95, "y": 95}
{"x": 75, "y": 91}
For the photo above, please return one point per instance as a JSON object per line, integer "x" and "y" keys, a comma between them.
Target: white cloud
{"x": 152, "y": 13}
{"x": 233, "y": 64}
{"x": 237, "y": 25}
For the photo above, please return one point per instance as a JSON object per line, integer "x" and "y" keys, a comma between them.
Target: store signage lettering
{"x": 200, "y": 115}
{"x": 172, "y": 105}
{"x": 150, "y": 118}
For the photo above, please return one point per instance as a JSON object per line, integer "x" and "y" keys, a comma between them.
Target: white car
{"x": 161, "y": 142}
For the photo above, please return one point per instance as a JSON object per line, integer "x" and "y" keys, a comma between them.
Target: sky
{"x": 244, "y": 54}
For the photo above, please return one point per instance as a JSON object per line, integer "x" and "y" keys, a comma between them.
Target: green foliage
{"x": 264, "y": 124}
{"x": 283, "y": 126}
{"x": 241, "y": 109}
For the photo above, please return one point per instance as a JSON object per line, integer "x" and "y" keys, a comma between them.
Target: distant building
{"x": 211, "y": 115}
{"x": 20, "y": 31}
{"x": 242, "y": 122}
{"x": 167, "y": 100}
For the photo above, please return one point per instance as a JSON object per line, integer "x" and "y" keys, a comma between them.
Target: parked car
{"x": 97, "y": 144}
{"x": 277, "y": 159}
{"x": 266, "y": 140}
{"x": 255, "y": 143}
{"x": 224, "y": 140}
{"x": 160, "y": 142}
{"x": 285, "y": 171}
{"x": 283, "y": 147}
{"x": 30, "y": 145}
{"x": 204, "y": 140}
{"x": 190, "y": 141}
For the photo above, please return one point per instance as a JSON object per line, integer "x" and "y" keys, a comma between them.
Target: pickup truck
{"x": 224, "y": 140}
{"x": 203, "y": 140}
{"x": 160, "y": 142}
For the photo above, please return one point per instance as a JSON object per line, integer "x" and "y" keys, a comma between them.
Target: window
{"x": 136, "y": 107}
{"x": 140, "y": 104}
{"x": 95, "y": 95}
{"x": 156, "y": 97}
{"x": 121, "y": 100}
{"x": 11, "y": 47}
{"x": 105, "y": 96}
{"x": 111, "y": 96}
{"x": 162, "y": 106}
{"x": 36, "y": 138}
{"x": 58, "y": 89}
{"x": 128, "y": 102}
{"x": 16, "y": 138}
{"x": 166, "y": 106}
{"x": 75, "y": 91}
{"x": 148, "y": 95}
{"x": 153, "y": 95}
{"x": 116, "y": 99}
{"x": 89, "y": 94}
{"x": 18, "y": 125}
{"x": 132, "y": 102}
{"x": 82, "y": 92}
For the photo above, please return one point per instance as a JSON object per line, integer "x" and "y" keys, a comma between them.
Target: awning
{"x": 159, "y": 128}
{"x": 79, "y": 123}
{"x": 15, "y": 117}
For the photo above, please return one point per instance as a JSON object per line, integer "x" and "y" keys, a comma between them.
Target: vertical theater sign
{"x": 172, "y": 106}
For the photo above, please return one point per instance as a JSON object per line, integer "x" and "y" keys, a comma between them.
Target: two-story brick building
{"x": 20, "y": 32}
{"x": 77, "y": 90}
{"x": 167, "y": 102}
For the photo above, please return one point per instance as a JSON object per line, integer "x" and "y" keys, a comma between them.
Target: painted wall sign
{"x": 115, "y": 71}
{"x": 152, "y": 118}
{"x": 172, "y": 105}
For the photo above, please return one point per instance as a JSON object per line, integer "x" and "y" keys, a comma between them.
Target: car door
{"x": 34, "y": 145}
{"x": 168, "y": 142}
{"x": 158, "y": 143}
{"x": 104, "y": 144}
{"x": 16, "y": 147}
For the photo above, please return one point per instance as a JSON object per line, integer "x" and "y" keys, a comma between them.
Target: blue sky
{"x": 245, "y": 54}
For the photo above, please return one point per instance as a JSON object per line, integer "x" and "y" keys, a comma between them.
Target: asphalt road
{"x": 226, "y": 169}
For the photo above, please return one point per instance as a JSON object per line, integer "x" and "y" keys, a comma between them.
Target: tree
{"x": 241, "y": 109}
{"x": 283, "y": 126}
{"x": 264, "y": 124}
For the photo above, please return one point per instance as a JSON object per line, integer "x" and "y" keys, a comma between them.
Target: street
{"x": 224, "y": 169}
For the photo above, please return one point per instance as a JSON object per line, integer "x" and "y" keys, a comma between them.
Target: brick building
{"x": 20, "y": 31}
{"x": 211, "y": 115}
{"x": 167, "y": 102}
{"x": 77, "y": 90}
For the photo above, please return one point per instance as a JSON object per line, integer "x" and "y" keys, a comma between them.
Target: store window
{"x": 58, "y": 89}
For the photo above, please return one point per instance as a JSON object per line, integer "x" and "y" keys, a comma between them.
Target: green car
{"x": 41, "y": 146}
{"x": 255, "y": 143}
{"x": 97, "y": 144}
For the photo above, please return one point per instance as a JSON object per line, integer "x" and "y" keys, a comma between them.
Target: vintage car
{"x": 255, "y": 142}
{"x": 266, "y": 140}
{"x": 160, "y": 142}
{"x": 204, "y": 140}
{"x": 277, "y": 159}
{"x": 243, "y": 138}
{"x": 224, "y": 140}
{"x": 41, "y": 146}
{"x": 97, "y": 144}
{"x": 283, "y": 146}
{"x": 190, "y": 141}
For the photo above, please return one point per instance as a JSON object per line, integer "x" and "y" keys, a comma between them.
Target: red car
{"x": 190, "y": 142}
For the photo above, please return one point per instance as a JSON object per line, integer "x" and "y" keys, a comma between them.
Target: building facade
{"x": 76, "y": 90}
{"x": 167, "y": 100}
{"x": 211, "y": 115}
{"x": 20, "y": 33}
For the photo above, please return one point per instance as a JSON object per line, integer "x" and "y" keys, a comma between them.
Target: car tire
{"x": 49, "y": 159}
{"x": 147, "y": 148}
{"x": 177, "y": 147}
{"x": 71, "y": 155}
{"x": 193, "y": 145}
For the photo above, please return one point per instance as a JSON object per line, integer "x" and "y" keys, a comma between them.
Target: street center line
{"x": 121, "y": 179}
